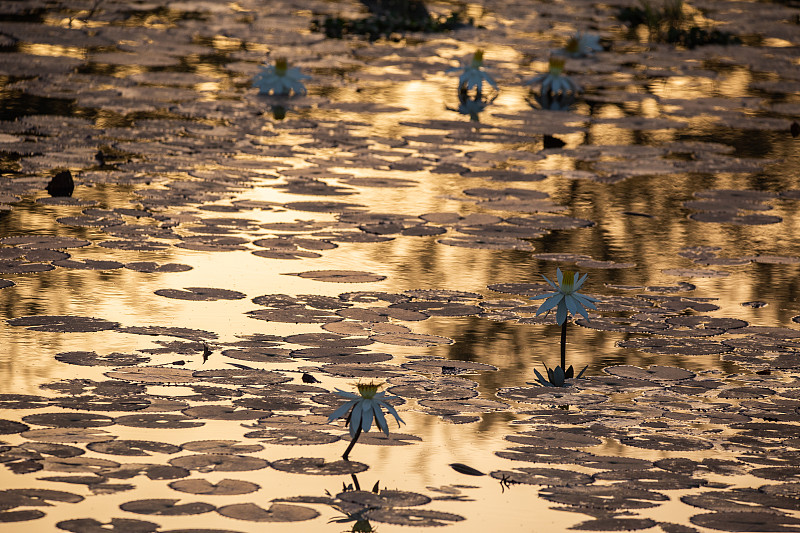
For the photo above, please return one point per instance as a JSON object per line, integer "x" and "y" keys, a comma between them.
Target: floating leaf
{"x": 166, "y": 507}
{"x": 225, "y": 487}
{"x": 340, "y": 276}
{"x": 318, "y": 466}
{"x": 277, "y": 512}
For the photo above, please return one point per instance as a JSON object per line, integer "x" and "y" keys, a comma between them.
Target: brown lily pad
{"x": 340, "y": 276}
{"x": 63, "y": 323}
{"x": 201, "y": 294}
{"x": 225, "y": 487}
{"x": 277, "y": 512}
{"x": 166, "y": 507}
{"x": 317, "y": 466}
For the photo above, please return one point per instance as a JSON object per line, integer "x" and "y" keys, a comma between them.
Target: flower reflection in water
{"x": 280, "y": 80}
{"x": 472, "y": 106}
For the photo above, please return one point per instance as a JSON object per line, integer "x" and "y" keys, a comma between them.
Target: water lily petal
{"x": 550, "y": 303}
{"x": 550, "y": 282}
{"x": 380, "y": 420}
{"x": 355, "y": 420}
{"x": 393, "y": 412}
{"x": 561, "y": 312}
{"x": 342, "y": 410}
{"x": 368, "y": 408}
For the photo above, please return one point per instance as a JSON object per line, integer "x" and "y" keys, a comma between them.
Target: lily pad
{"x": 412, "y": 517}
{"x": 166, "y": 507}
{"x": 63, "y": 323}
{"x": 204, "y": 294}
{"x": 277, "y": 512}
{"x": 210, "y": 462}
{"x": 340, "y": 276}
{"x": 115, "y": 525}
{"x": 225, "y": 487}
{"x": 318, "y": 466}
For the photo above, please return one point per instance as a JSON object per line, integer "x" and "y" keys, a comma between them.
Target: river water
{"x": 369, "y": 230}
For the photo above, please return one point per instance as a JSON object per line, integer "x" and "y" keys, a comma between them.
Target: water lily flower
{"x": 554, "y": 82}
{"x": 280, "y": 80}
{"x": 361, "y": 409}
{"x": 566, "y": 298}
{"x": 473, "y": 75}
{"x": 582, "y": 45}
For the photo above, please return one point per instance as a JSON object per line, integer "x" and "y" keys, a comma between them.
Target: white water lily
{"x": 280, "y": 80}
{"x": 473, "y": 75}
{"x": 566, "y": 298}
{"x": 582, "y": 45}
{"x": 554, "y": 82}
{"x": 362, "y": 408}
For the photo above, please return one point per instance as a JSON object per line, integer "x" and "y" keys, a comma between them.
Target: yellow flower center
{"x": 281, "y": 65}
{"x": 556, "y": 65}
{"x": 567, "y": 281}
{"x": 368, "y": 389}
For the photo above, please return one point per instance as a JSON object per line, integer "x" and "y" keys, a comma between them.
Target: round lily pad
{"x": 242, "y": 376}
{"x": 22, "y": 515}
{"x": 317, "y": 466}
{"x": 69, "y": 420}
{"x": 210, "y": 462}
{"x": 340, "y": 276}
{"x": 225, "y": 487}
{"x": 166, "y": 507}
{"x": 8, "y": 427}
{"x": 158, "y": 420}
{"x": 292, "y": 436}
{"x": 384, "y": 498}
{"x": 760, "y": 520}
{"x": 543, "y": 476}
{"x": 63, "y": 323}
{"x": 411, "y": 339}
{"x": 94, "y": 359}
{"x": 654, "y": 372}
{"x": 137, "y": 448}
{"x": 38, "y": 242}
{"x": 220, "y": 447}
{"x": 412, "y": 517}
{"x": 277, "y": 512}
{"x": 152, "y": 267}
{"x": 115, "y": 525}
{"x": 154, "y": 374}
{"x": 204, "y": 294}
{"x": 74, "y": 435}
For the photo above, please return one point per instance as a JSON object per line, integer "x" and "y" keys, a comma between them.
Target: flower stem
{"x": 564, "y": 346}
{"x": 352, "y": 443}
